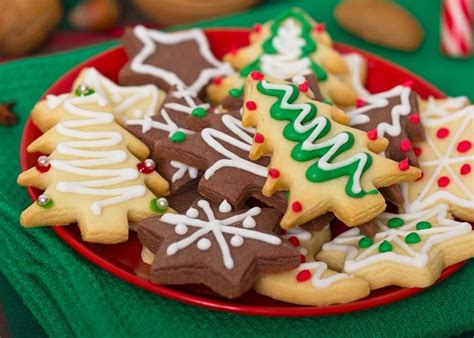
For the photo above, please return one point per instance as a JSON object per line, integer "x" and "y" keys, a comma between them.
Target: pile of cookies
{"x": 231, "y": 171}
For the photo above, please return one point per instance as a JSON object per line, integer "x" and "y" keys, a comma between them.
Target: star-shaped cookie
{"x": 166, "y": 59}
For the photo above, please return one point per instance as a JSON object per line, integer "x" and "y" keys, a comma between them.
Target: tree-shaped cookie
{"x": 181, "y": 115}
{"x": 447, "y": 162}
{"x": 91, "y": 175}
{"x": 214, "y": 245}
{"x": 408, "y": 250}
{"x": 168, "y": 59}
{"x": 290, "y": 46}
{"x": 325, "y": 165}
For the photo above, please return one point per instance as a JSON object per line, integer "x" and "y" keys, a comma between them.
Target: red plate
{"x": 123, "y": 260}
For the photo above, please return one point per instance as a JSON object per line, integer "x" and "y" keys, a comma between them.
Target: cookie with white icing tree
{"x": 214, "y": 245}
{"x": 325, "y": 165}
{"x": 408, "y": 250}
{"x": 447, "y": 162}
{"x": 168, "y": 59}
{"x": 312, "y": 283}
{"x": 180, "y": 115}
{"x": 289, "y": 47}
{"x": 97, "y": 174}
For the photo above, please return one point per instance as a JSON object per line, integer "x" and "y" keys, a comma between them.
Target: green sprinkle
{"x": 423, "y": 225}
{"x": 412, "y": 238}
{"x": 235, "y": 92}
{"x": 385, "y": 247}
{"x": 154, "y": 206}
{"x": 48, "y": 205}
{"x": 365, "y": 242}
{"x": 395, "y": 222}
{"x": 80, "y": 91}
{"x": 199, "y": 112}
{"x": 327, "y": 101}
{"x": 178, "y": 137}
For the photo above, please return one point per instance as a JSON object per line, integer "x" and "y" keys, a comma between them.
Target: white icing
{"x": 354, "y": 62}
{"x": 444, "y": 107}
{"x": 204, "y": 244}
{"x": 242, "y": 140}
{"x": 182, "y": 170}
{"x": 249, "y": 223}
{"x": 443, "y": 162}
{"x": 192, "y": 213}
{"x": 225, "y": 207}
{"x": 303, "y": 109}
{"x": 218, "y": 227}
{"x": 413, "y": 255}
{"x": 236, "y": 241}
{"x": 54, "y": 101}
{"x": 319, "y": 268}
{"x": 181, "y": 229}
{"x": 298, "y": 232}
{"x": 148, "y": 38}
{"x": 123, "y": 98}
{"x": 90, "y": 163}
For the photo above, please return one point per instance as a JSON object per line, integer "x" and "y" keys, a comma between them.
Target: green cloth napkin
{"x": 71, "y": 297}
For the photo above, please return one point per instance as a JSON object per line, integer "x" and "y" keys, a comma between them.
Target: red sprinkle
{"x": 408, "y": 84}
{"x": 217, "y": 80}
{"x": 258, "y": 138}
{"x": 303, "y": 86}
{"x": 273, "y": 172}
{"x": 257, "y": 28}
{"x": 256, "y": 75}
{"x": 320, "y": 27}
{"x": 294, "y": 241}
{"x": 303, "y": 276}
{"x": 43, "y": 169}
{"x": 464, "y": 146}
{"x": 465, "y": 169}
{"x": 144, "y": 169}
{"x": 372, "y": 134}
{"x": 302, "y": 259}
{"x": 405, "y": 145}
{"x": 442, "y": 132}
{"x": 360, "y": 103}
{"x": 443, "y": 181}
{"x": 403, "y": 164}
{"x": 417, "y": 151}
{"x": 421, "y": 176}
{"x": 250, "y": 105}
{"x": 414, "y": 118}
{"x": 296, "y": 206}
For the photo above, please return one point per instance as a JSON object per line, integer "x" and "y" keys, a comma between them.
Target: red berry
{"x": 464, "y": 146}
{"x": 405, "y": 145}
{"x": 442, "y": 132}
{"x": 414, "y": 118}
{"x": 403, "y": 164}
{"x": 417, "y": 151}
{"x": 250, "y": 105}
{"x": 294, "y": 241}
{"x": 258, "y": 138}
{"x": 303, "y": 86}
{"x": 303, "y": 276}
{"x": 372, "y": 134}
{"x": 465, "y": 169}
{"x": 360, "y": 103}
{"x": 296, "y": 206}
{"x": 443, "y": 181}
{"x": 273, "y": 172}
{"x": 256, "y": 75}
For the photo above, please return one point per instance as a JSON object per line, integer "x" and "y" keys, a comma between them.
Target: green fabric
{"x": 71, "y": 297}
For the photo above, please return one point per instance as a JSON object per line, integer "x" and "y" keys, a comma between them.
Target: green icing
{"x": 412, "y": 238}
{"x": 154, "y": 206}
{"x": 178, "y": 137}
{"x": 236, "y": 92}
{"x": 327, "y": 101}
{"x": 199, "y": 112}
{"x": 324, "y": 153}
{"x": 48, "y": 205}
{"x": 89, "y": 91}
{"x": 423, "y": 225}
{"x": 365, "y": 242}
{"x": 309, "y": 47}
{"x": 395, "y": 222}
{"x": 385, "y": 247}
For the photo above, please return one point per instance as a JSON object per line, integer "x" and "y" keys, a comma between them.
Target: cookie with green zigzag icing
{"x": 408, "y": 250}
{"x": 326, "y": 166}
{"x": 289, "y": 47}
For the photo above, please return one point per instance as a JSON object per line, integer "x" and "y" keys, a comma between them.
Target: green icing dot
{"x": 365, "y": 242}
{"x": 327, "y": 101}
{"x": 423, "y": 225}
{"x": 48, "y": 205}
{"x": 178, "y": 137}
{"x": 287, "y": 195}
{"x": 89, "y": 91}
{"x": 199, "y": 112}
{"x": 412, "y": 238}
{"x": 235, "y": 92}
{"x": 395, "y": 222}
{"x": 155, "y": 208}
{"x": 385, "y": 247}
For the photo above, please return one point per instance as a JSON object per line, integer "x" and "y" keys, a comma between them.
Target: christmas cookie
{"x": 131, "y": 102}
{"x": 93, "y": 174}
{"x": 408, "y": 250}
{"x": 447, "y": 161}
{"x": 214, "y": 245}
{"x": 167, "y": 59}
{"x": 393, "y": 114}
{"x": 312, "y": 283}
{"x": 181, "y": 115}
{"x": 325, "y": 166}
{"x": 288, "y": 48}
